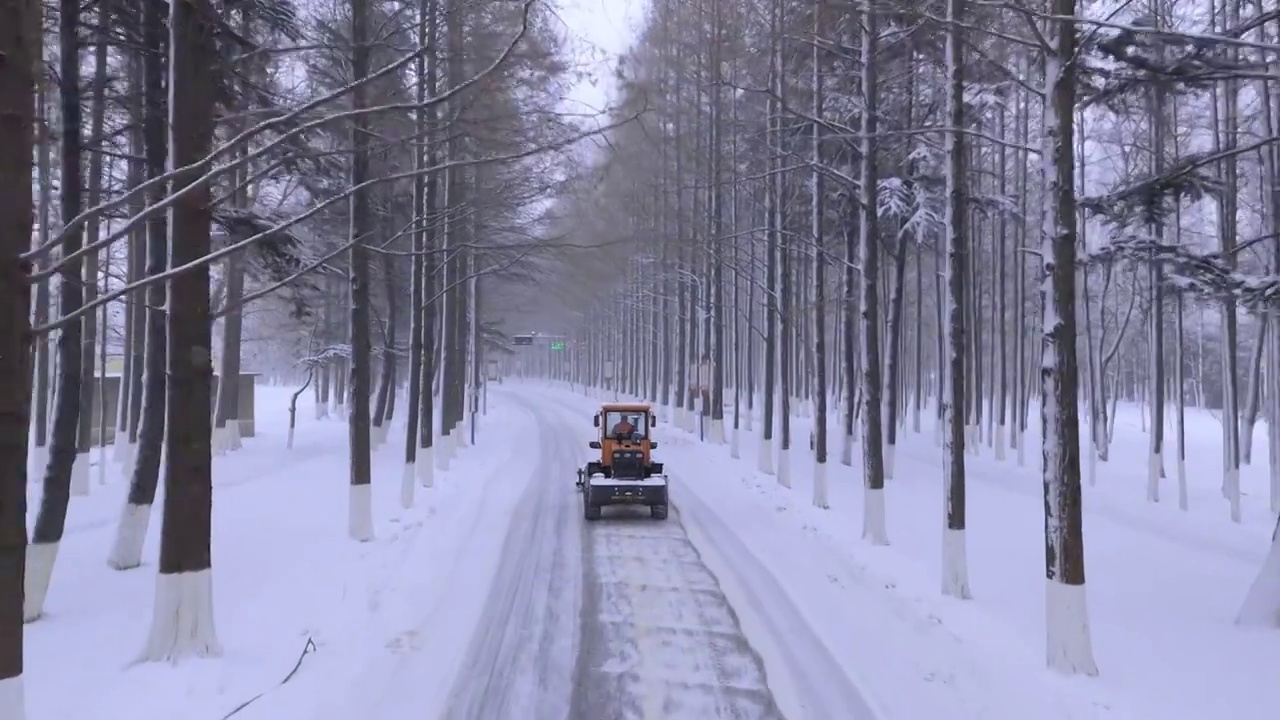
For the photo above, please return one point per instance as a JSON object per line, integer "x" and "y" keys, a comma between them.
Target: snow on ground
{"x": 473, "y": 577}
{"x": 1164, "y": 585}
{"x": 286, "y": 575}
{"x": 498, "y": 585}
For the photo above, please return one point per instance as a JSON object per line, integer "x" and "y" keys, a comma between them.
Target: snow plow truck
{"x": 626, "y": 473}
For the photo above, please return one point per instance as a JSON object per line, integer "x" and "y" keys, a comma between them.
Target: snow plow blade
{"x": 603, "y": 491}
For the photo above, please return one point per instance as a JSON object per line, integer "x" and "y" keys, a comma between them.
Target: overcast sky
{"x": 599, "y": 31}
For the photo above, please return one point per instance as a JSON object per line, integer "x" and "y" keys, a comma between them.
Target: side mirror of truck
{"x": 653, "y": 444}
{"x": 595, "y": 420}
{"x": 594, "y": 444}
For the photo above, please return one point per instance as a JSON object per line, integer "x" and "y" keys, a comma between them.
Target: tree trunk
{"x": 182, "y": 623}
{"x": 1069, "y": 645}
{"x": 360, "y": 518}
{"x": 417, "y": 279}
{"x": 226, "y": 428}
{"x": 386, "y": 383}
{"x": 1262, "y": 603}
{"x": 52, "y": 516}
{"x": 131, "y": 532}
{"x": 955, "y": 565}
{"x": 817, "y": 222}
{"x": 20, "y": 46}
{"x": 427, "y": 371}
{"x": 43, "y": 371}
{"x": 773, "y": 201}
{"x": 130, "y": 396}
{"x": 717, "y": 257}
{"x": 873, "y": 520}
{"x": 85, "y": 437}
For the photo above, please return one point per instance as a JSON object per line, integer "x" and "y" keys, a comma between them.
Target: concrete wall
{"x": 112, "y": 396}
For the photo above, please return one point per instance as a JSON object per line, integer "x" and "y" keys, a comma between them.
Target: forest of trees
{"x": 282, "y": 178}
{"x": 950, "y": 212}
{"x": 958, "y": 214}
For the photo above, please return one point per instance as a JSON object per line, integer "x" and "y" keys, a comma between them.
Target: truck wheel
{"x": 658, "y": 512}
{"x": 590, "y": 512}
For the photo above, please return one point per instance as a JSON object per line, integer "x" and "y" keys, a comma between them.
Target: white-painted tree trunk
{"x": 748, "y": 424}
{"x": 120, "y": 446}
{"x": 1092, "y": 451}
{"x": 426, "y": 466}
{"x": 999, "y": 442}
{"x": 784, "y": 467}
{"x": 1153, "y": 476}
{"x": 103, "y": 460}
{"x": 889, "y": 452}
{"x": 955, "y": 564}
{"x": 715, "y": 431}
{"x": 131, "y": 534}
{"x": 13, "y": 702}
{"x": 234, "y": 441}
{"x": 1182, "y": 485}
{"x": 735, "y": 447}
{"x": 288, "y": 443}
{"x": 764, "y": 459}
{"x": 80, "y": 475}
{"x": 1022, "y": 450}
{"x": 130, "y": 461}
{"x": 1233, "y": 493}
{"x": 874, "y": 526}
{"x": 846, "y": 450}
{"x": 407, "y": 479}
{"x": 38, "y": 460}
{"x": 35, "y": 583}
{"x": 1068, "y": 644}
{"x": 322, "y": 410}
{"x": 1273, "y": 470}
{"x": 218, "y": 443}
{"x": 1262, "y": 603}
{"x": 360, "y": 509}
{"x": 182, "y": 623}
{"x": 820, "y": 485}
{"x": 443, "y": 457}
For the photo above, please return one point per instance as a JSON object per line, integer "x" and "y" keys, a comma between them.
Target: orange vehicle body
{"x": 624, "y": 473}
{"x": 640, "y": 440}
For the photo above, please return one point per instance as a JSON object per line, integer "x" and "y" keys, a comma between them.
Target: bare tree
{"x": 20, "y": 46}
{"x": 182, "y": 622}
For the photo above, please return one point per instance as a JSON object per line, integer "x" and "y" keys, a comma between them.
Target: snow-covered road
{"x": 613, "y": 620}
{"x": 522, "y": 654}
{"x": 659, "y": 639}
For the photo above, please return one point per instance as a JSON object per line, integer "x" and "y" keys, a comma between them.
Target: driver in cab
{"x": 624, "y": 428}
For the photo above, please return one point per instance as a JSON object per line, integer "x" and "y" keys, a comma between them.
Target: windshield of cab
{"x": 630, "y": 425}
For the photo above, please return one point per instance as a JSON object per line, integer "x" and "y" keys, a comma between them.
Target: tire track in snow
{"x": 520, "y": 663}
{"x": 659, "y": 639}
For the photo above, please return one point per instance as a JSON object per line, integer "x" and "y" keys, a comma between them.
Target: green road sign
{"x": 557, "y": 346}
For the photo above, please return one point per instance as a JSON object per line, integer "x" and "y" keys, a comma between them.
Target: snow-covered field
{"x": 286, "y": 576}
{"x": 493, "y": 599}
